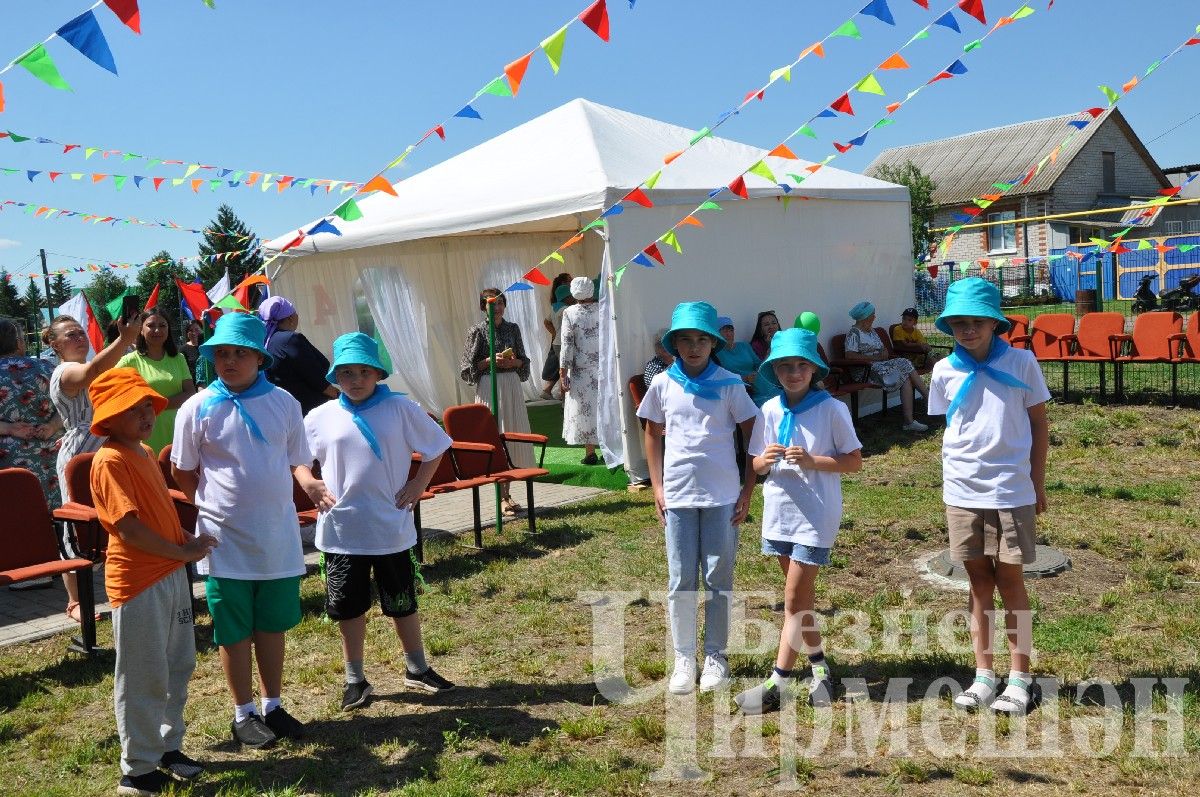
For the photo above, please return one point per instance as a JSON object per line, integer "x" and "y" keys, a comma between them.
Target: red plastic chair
{"x": 88, "y": 538}
{"x": 1018, "y": 327}
{"x": 1185, "y": 345}
{"x": 1091, "y": 344}
{"x": 29, "y": 545}
{"x": 474, "y": 423}
{"x": 1154, "y": 338}
{"x": 446, "y": 480}
{"x": 1045, "y": 338}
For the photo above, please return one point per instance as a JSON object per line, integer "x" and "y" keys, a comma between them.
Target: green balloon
{"x": 810, "y": 321}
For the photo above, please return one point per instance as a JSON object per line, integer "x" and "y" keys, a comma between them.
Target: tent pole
{"x": 491, "y": 310}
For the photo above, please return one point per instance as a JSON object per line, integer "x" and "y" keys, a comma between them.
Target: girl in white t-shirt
{"x": 805, "y": 441}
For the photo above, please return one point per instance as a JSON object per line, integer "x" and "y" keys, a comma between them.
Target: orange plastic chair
{"x": 1153, "y": 340}
{"x": 29, "y": 546}
{"x": 446, "y": 480}
{"x": 1185, "y": 346}
{"x": 474, "y": 423}
{"x": 88, "y": 538}
{"x": 1018, "y": 327}
{"x": 1091, "y": 344}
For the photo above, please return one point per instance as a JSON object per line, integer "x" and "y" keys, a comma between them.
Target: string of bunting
{"x": 979, "y": 204}
{"x": 506, "y": 84}
{"x": 118, "y": 181}
{"x": 737, "y": 188}
{"x": 47, "y": 212}
{"x": 876, "y": 9}
{"x": 97, "y": 264}
{"x": 85, "y": 35}
{"x": 248, "y": 177}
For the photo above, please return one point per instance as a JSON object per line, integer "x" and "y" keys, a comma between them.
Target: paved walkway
{"x": 32, "y": 614}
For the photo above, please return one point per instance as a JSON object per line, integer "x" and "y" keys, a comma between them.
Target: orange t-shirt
{"x": 125, "y": 483}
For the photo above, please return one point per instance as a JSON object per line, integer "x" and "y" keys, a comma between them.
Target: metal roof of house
{"x": 965, "y": 167}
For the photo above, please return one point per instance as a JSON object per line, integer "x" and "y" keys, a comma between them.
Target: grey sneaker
{"x": 253, "y": 732}
{"x": 180, "y": 766}
{"x": 355, "y": 695}
{"x": 915, "y": 426}
{"x": 428, "y": 681}
{"x": 761, "y": 699}
{"x": 820, "y": 688}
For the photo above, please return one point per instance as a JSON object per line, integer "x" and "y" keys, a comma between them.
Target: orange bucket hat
{"x": 117, "y": 390}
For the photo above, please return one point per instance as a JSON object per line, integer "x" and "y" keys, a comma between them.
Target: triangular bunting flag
{"x": 515, "y": 72}
{"x": 1112, "y": 95}
{"x": 738, "y": 187}
{"x": 378, "y": 183}
{"x": 641, "y": 259}
{"x": 41, "y": 66}
{"x": 617, "y": 276}
{"x": 670, "y": 156}
{"x": 957, "y": 68}
{"x": 817, "y": 49}
{"x": 595, "y": 17}
{"x": 84, "y": 34}
{"x": 691, "y": 221}
{"x": 879, "y": 9}
{"x": 947, "y": 20}
{"x": 468, "y": 112}
{"x": 782, "y": 151}
{"x": 652, "y": 250}
{"x": 553, "y": 47}
{"x": 127, "y": 12}
{"x": 761, "y": 170}
{"x": 672, "y": 240}
{"x": 709, "y": 205}
{"x": 894, "y": 62}
{"x": 324, "y": 225}
{"x": 498, "y": 87}
{"x": 652, "y": 180}
{"x": 348, "y": 211}
{"x": 536, "y": 276}
{"x": 893, "y": 107}
{"x": 933, "y": 271}
{"x": 636, "y": 195}
{"x": 702, "y": 134}
{"x": 847, "y": 28}
{"x": 842, "y": 105}
{"x": 974, "y": 8}
{"x": 804, "y": 130}
{"x": 869, "y": 85}
{"x": 784, "y": 72}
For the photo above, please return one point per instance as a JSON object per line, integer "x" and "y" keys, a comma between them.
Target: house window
{"x": 1174, "y": 228}
{"x": 1193, "y": 225}
{"x": 1110, "y": 172}
{"x": 1002, "y": 236}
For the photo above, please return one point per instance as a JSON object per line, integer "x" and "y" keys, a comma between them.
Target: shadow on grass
{"x": 69, "y": 671}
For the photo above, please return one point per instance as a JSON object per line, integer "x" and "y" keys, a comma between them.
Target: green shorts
{"x": 239, "y": 607}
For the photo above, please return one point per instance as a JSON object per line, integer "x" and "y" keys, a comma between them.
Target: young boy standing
{"x": 696, "y": 494}
{"x": 365, "y": 442}
{"x": 805, "y": 441}
{"x": 994, "y": 478}
{"x": 146, "y": 584}
{"x": 235, "y": 445}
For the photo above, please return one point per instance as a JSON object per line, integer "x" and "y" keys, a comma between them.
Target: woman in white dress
{"x": 863, "y": 345}
{"x": 579, "y": 369}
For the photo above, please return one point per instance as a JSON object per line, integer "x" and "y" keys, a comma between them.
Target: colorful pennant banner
{"x": 100, "y": 264}
{"x": 506, "y": 84}
{"x": 47, "y": 212}
{"x": 264, "y": 182}
{"x": 84, "y": 34}
{"x": 248, "y": 177}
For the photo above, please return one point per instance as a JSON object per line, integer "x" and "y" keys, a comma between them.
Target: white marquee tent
{"x": 416, "y": 262}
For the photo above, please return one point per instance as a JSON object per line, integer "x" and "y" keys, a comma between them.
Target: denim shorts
{"x": 797, "y": 551}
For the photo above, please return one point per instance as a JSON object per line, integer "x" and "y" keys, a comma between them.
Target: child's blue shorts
{"x": 797, "y": 551}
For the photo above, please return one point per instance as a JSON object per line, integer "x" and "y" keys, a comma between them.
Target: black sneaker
{"x": 253, "y": 732}
{"x": 180, "y": 766}
{"x": 151, "y": 783}
{"x": 284, "y": 724}
{"x": 428, "y": 681}
{"x": 355, "y": 695}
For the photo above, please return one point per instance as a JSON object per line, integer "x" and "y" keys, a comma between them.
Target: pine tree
{"x": 60, "y": 291}
{"x": 162, "y": 270}
{"x": 10, "y": 297}
{"x": 227, "y": 233}
{"x": 104, "y": 287}
{"x": 32, "y": 304}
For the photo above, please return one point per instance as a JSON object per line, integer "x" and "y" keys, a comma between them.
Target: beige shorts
{"x": 1009, "y": 535}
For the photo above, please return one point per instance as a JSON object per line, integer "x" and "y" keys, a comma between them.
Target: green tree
{"x": 104, "y": 287}
{"x": 60, "y": 291}
{"x": 920, "y": 191}
{"x": 227, "y": 233}
{"x": 162, "y": 270}
{"x": 10, "y": 297}
{"x": 32, "y": 304}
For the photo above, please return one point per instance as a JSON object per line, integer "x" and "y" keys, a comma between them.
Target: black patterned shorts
{"x": 348, "y": 584}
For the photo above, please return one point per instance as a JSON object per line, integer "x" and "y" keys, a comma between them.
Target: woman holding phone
{"x": 512, "y": 368}
{"x": 69, "y": 394}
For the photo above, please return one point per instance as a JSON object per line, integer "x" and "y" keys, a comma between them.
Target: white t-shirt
{"x": 985, "y": 450}
{"x": 245, "y": 493}
{"x": 365, "y": 520}
{"x": 804, "y": 506}
{"x": 699, "y": 465}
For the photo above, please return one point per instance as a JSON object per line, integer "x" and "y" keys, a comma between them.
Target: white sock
{"x": 270, "y": 704}
{"x": 1017, "y": 693}
{"x": 415, "y": 661}
{"x": 244, "y": 710}
{"x": 981, "y": 690}
{"x": 354, "y": 672}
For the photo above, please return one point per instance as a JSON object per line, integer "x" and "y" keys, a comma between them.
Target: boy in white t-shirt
{"x": 994, "y": 478}
{"x": 236, "y": 444}
{"x": 805, "y": 441}
{"x": 696, "y": 492}
{"x": 365, "y": 441}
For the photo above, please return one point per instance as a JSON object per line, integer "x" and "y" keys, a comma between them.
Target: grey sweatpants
{"x": 156, "y": 653}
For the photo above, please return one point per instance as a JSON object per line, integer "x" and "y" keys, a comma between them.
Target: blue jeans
{"x": 700, "y": 542}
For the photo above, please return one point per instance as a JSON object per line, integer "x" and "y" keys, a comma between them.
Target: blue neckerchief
{"x": 382, "y": 393}
{"x": 704, "y": 385}
{"x": 811, "y": 399}
{"x": 961, "y": 359}
{"x": 221, "y": 392}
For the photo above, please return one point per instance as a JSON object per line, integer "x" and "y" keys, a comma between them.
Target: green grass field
{"x": 513, "y": 626}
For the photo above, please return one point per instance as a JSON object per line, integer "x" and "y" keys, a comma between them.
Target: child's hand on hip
{"x": 319, "y": 494}
{"x": 409, "y": 495}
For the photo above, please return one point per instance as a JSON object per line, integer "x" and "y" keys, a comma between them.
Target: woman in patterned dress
{"x": 893, "y": 373}
{"x": 29, "y": 426}
{"x": 579, "y": 369}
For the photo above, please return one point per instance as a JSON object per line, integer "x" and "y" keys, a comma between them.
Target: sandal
{"x": 1014, "y": 705}
{"x": 510, "y": 508}
{"x": 972, "y": 700}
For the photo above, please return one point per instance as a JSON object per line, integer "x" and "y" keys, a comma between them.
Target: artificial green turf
{"x": 563, "y": 461}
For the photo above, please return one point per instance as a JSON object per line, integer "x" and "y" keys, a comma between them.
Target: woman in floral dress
{"x": 579, "y": 369}
{"x": 29, "y": 426}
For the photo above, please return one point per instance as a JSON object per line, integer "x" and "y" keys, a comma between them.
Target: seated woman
{"x": 893, "y": 373}
{"x": 909, "y": 342}
{"x": 660, "y": 362}
{"x": 765, "y": 327}
{"x": 739, "y": 357}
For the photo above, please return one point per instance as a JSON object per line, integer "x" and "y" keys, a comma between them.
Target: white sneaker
{"x": 715, "y": 673}
{"x": 683, "y": 678}
{"x": 915, "y": 426}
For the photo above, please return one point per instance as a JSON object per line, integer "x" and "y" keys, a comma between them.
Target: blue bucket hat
{"x": 861, "y": 310}
{"x": 724, "y": 321}
{"x": 693, "y": 315}
{"x": 974, "y": 297}
{"x": 239, "y": 329}
{"x": 355, "y": 348}
{"x": 792, "y": 342}
{"x": 562, "y": 292}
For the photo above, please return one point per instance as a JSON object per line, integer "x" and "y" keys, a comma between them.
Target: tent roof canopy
{"x": 577, "y": 158}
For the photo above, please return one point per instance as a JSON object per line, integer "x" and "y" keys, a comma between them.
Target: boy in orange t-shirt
{"x": 146, "y": 583}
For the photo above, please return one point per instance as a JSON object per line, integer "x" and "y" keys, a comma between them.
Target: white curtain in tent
{"x": 402, "y": 325}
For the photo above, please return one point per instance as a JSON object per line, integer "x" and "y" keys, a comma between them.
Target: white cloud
{"x": 8, "y": 243}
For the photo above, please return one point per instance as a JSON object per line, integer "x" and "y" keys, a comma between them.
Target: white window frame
{"x": 1173, "y": 227}
{"x": 1193, "y": 226}
{"x": 999, "y": 233}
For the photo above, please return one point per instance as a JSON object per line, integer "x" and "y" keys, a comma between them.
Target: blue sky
{"x": 336, "y": 90}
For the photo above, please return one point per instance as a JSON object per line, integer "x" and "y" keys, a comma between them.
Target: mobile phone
{"x": 131, "y": 306}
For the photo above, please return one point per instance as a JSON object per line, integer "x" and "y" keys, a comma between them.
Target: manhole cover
{"x": 1048, "y": 562}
